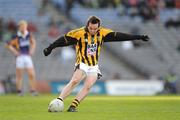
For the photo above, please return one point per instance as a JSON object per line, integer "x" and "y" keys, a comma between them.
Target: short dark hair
{"x": 94, "y": 20}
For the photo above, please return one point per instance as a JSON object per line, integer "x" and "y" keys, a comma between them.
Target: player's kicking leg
{"x": 89, "y": 82}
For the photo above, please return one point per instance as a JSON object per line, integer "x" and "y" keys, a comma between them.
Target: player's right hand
{"x": 17, "y": 54}
{"x": 47, "y": 51}
{"x": 145, "y": 38}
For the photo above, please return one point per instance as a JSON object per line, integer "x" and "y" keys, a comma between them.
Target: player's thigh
{"x": 31, "y": 71}
{"x": 19, "y": 72}
{"x": 20, "y": 63}
{"x": 78, "y": 75}
{"x": 28, "y": 62}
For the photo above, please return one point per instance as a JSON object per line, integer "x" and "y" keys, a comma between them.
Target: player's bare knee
{"x": 19, "y": 77}
{"x": 74, "y": 82}
{"x": 31, "y": 76}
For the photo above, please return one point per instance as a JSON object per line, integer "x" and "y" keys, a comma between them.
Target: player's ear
{"x": 86, "y": 28}
{"x": 87, "y": 24}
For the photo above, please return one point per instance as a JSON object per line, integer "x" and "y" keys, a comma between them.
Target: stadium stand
{"x": 53, "y": 67}
{"x": 42, "y": 64}
{"x": 10, "y": 9}
{"x": 157, "y": 59}
{"x": 153, "y": 59}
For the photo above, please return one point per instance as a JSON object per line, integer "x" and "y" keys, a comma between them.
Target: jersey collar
{"x": 21, "y": 35}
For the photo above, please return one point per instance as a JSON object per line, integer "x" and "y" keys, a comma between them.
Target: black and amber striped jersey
{"x": 88, "y": 46}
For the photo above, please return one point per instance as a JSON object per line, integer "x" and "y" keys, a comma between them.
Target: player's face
{"x": 22, "y": 28}
{"x": 93, "y": 28}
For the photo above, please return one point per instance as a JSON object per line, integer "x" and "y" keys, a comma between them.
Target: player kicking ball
{"x": 88, "y": 41}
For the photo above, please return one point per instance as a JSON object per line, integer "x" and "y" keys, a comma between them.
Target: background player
{"x": 88, "y": 41}
{"x": 23, "y": 47}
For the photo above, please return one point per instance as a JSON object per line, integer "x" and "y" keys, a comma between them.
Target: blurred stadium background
{"x": 128, "y": 68}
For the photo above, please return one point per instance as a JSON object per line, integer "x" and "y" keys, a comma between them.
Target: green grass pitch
{"x": 13, "y": 107}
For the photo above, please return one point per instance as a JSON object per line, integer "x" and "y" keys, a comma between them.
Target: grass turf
{"x": 13, "y": 107}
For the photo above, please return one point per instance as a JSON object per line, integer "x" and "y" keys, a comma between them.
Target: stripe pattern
{"x": 75, "y": 103}
{"x": 88, "y": 47}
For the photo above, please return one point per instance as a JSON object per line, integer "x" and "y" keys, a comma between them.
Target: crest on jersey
{"x": 91, "y": 49}
{"x": 24, "y": 42}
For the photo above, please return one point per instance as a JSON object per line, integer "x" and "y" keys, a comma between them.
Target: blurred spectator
{"x": 103, "y": 3}
{"x": 53, "y": 21}
{"x": 11, "y": 26}
{"x": 95, "y": 3}
{"x": 69, "y": 5}
{"x": 133, "y": 2}
{"x": 2, "y": 89}
{"x": 53, "y": 31}
{"x": 7, "y": 36}
{"x": 9, "y": 84}
{"x": 173, "y": 23}
{"x": 161, "y": 4}
{"x": 152, "y": 3}
{"x": 7, "y": 29}
{"x": 1, "y": 29}
{"x": 153, "y": 77}
{"x": 133, "y": 11}
{"x": 178, "y": 47}
{"x": 44, "y": 4}
{"x": 32, "y": 27}
{"x": 140, "y": 9}
{"x": 170, "y": 82}
{"x": 116, "y": 76}
{"x": 177, "y": 3}
{"x": 148, "y": 12}
{"x": 43, "y": 17}
{"x": 113, "y": 3}
{"x": 170, "y": 3}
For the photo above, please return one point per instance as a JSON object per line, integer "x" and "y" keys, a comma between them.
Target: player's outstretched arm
{"x": 60, "y": 42}
{"x": 118, "y": 36}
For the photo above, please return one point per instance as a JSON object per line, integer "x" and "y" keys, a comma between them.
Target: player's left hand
{"x": 145, "y": 38}
{"x": 31, "y": 52}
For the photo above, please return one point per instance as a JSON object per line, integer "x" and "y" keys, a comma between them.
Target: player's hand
{"x": 31, "y": 52}
{"x": 47, "y": 51}
{"x": 16, "y": 53}
{"x": 145, "y": 38}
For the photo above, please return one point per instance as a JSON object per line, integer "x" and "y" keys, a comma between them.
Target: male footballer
{"x": 23, "y": 46}
{"x": 88, "y": 41}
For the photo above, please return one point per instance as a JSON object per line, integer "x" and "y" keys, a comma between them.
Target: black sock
{"x": 60, "y": 99}
{"x": 19, "y": 91}
{"x": 33, "y": 91}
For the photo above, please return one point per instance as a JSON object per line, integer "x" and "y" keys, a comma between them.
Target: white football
{"x": 56, "y": 105}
